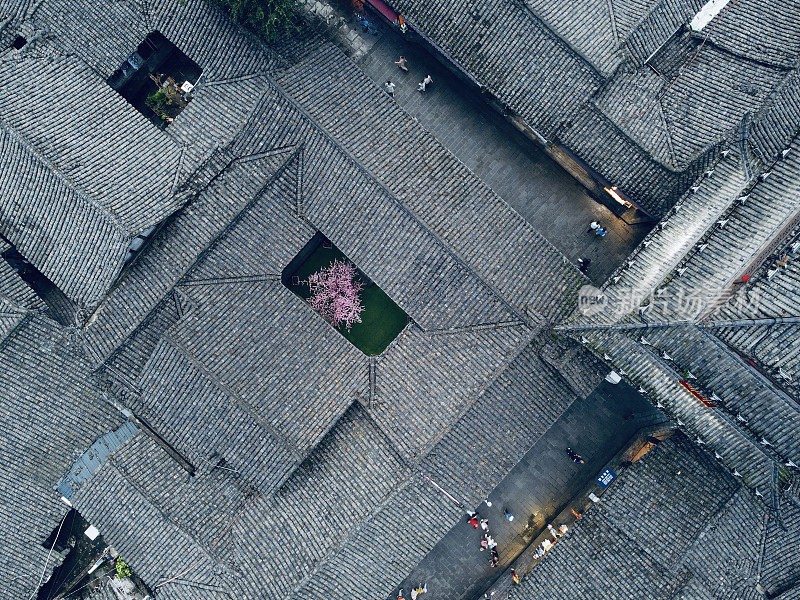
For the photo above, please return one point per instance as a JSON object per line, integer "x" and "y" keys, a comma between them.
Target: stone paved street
{"x": 521, "y": 173}
{"x": 543, "y": 481}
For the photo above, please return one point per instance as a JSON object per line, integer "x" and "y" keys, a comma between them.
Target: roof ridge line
{"x": 238, "y": 400}
{"x": 474, "y": 327}
{"x": 475, "y": 395}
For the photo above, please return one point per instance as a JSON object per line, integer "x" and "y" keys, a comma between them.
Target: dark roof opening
{"x": 60, "y": 307}
{"x": 157, "y": 79}
{"x": 19, "y": 42}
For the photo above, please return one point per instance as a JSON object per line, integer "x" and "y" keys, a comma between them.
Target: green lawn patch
{"x": 381, "y": 321}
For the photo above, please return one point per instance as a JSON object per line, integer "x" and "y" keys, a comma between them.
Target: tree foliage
{"x": 122, "y": 568}
{"x": 335, "y": 294}
{"x": 270, "y": 19}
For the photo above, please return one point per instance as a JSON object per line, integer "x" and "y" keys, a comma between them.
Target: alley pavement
{"x": 534, "y": 491}
{"x": 520, "y": 172}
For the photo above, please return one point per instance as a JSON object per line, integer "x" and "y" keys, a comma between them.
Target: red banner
{"x": 695, "y": 393}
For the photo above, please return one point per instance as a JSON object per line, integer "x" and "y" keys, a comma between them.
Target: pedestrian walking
{"x": 593, "y": 226}
{"x": 485, "y": 524}
{"x": 514, "y": 576}
{"x": 490, "y": 543}
{"x": 601, "y": 232}
{"x": 402, "y": 63}
{"x": 495, "y": 558}
{"x": 488, "y": 503}
{"x": 576, "y": 458}
{"x": 400, "y": 595}
{"x": 507, "y": 514}
{"x": 423, "y": 85}
{"x": 484, "y": 544}
{"x": 389, "y": 87}
{"x": 583, "y": 264}
{"x": 473, "y": 520}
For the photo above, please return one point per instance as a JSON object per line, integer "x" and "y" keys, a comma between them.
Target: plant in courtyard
{"x": 157, "y": 101}
{"x": 271, "y": 19}
{"x": 123, "y": 570}
{"x": 335, "y": 294}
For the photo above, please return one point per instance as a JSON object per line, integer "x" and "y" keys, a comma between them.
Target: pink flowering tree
{"x": 335, "y": 294}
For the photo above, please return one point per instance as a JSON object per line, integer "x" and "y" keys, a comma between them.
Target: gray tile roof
{"x": 109, "y": 172}
{"x": 672, "y": 525}
{"x": 73, "y": 241}
{"x": 48, "y": 408}
{"x": 84, "y": 29}
{"x": 720, "y": 431}
{"x": 773, "y": 295}
{"x": 769, "y": 413}
{"x": 295, "y": 481}
{"x": 498, "y": 427}
{"x": 664, "y": 18}
{"x": 772, "y": 40}
{"x": 440, "y": 193}
{"x": 268, "y": 547}
{"x": 700, "y": 110}
{"x": 655, "y": 132}
{"x": 424, "y": 382}
{"x": 104, "y": 149}
{"x": 603, "y": 32}
{"x": 180, "y": 243}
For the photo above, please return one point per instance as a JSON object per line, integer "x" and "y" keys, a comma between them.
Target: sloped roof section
{"x": 206, "y": 35}
{"x": 773, "y": 299}
{"x": 664, "y": 18}
{"x": 47, "y": 409}
{"x": 604, "y": 32}
{"x": 511, "y": 52}
{"x": 425, "y": 382}
{"x": 182, "y": 242}
{"x": 486, "y": 235}
{"x": 83, "y": 28}
{"x": 74, "y": 242}
{"x": 761, "y": 31}
{"x": 677, "y": 119}
{"x": 593, "y": 31}
{"x": 157, "y": 548}
{"x": 91, "y": 136}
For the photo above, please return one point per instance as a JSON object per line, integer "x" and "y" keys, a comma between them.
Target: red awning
{"x": 384, "y": 9}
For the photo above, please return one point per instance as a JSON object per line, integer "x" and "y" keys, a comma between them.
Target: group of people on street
{"x": 598, "y": 230}
{"x": 402, "y": 64}
{"x": 417, "y": 591}
{"x": 487, "y": 541}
